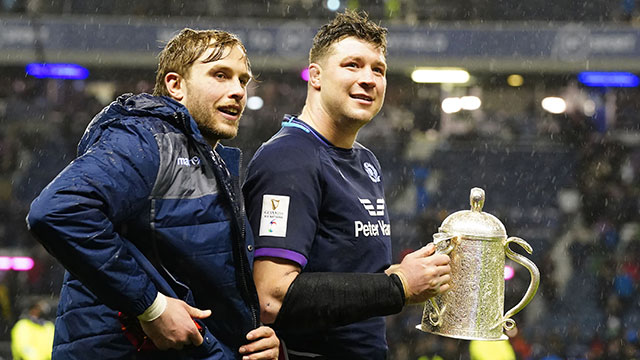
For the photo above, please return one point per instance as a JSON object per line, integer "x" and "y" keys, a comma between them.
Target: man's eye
{"x": 221, "y": 75}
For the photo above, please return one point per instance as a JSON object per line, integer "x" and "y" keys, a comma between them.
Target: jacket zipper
{"x": 238, "y": 214}
{"x": 243, "y": 237}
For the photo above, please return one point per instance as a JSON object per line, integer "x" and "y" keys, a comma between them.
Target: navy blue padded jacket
{"x": 147, "y": 206}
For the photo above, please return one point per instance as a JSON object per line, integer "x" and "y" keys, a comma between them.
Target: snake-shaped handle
{"x": 444, "y": 243}
{"x": 507, "y": 322}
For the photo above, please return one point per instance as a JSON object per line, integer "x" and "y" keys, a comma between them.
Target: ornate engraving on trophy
{"x": 473, "y": 307}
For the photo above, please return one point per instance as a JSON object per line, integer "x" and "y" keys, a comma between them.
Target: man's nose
{"x": 368, "y": 79}
{"x": 238, "y": 90}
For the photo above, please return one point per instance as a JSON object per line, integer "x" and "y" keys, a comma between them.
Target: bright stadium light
{"x": 515, "y": 80}
{"x": 589, "y": 107}
{"x": 57, "y": 71}
{"x": 440, "y": 76}
{"x": 608, "y": 79}
{"x": 5, "y": 263}
{"x": 509, "y": 272}
{"x": 451, "y": 105}
{"x": 554, "y": 105}
{"x": 16, "y": 263}
{"x": 470, "y": 102}
{"x": 333, "y": 5}
{"x": 255, "y": 103}
{"x": 304, "y": 74}
{"x": 22, "y": 263}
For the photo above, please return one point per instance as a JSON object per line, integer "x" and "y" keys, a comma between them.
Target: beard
{"x": 212, "y": 125}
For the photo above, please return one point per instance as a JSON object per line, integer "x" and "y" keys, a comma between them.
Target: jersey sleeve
{"x": 283, "y": 194}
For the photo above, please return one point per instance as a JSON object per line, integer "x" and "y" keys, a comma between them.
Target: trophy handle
{"x": 444, "y": 243}
{"x": 509, "y": 323}
{"x": 435, "y": 316}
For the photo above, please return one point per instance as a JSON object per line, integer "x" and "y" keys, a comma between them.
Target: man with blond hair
{"x": 149, "y": 220}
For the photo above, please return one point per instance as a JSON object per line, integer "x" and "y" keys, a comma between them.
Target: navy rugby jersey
{"x": 322, "y": 207}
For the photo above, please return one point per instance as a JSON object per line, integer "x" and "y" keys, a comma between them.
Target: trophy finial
{"x": 476, "y": 198}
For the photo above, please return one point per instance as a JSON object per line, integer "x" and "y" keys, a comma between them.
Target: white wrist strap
{"x": 155, "y": 310}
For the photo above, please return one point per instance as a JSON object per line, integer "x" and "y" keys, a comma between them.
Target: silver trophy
{"x": 473, "y": 308}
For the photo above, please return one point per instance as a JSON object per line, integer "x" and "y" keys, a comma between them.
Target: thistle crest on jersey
{"x": 371, "y": 171}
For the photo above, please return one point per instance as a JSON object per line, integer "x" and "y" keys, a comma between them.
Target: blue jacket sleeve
{"x": 76, "y": 215}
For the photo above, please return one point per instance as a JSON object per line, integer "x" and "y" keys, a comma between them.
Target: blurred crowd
{"x": 402, "y": 11}
{"x": 565, "y": 183}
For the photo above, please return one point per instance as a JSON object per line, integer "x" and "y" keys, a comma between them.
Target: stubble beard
{"x": 358, "y": 119}
{"x": 210, "y": 128}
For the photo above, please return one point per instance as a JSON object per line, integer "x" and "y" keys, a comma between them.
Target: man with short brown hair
{"x": 315, "y": 200}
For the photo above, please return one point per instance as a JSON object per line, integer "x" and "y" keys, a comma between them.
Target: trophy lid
{"x": 474, "y": 223}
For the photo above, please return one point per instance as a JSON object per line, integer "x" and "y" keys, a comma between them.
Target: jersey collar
{"x": 293, "y": 121}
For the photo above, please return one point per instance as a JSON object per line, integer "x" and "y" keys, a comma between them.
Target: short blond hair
{"x": 185, "y": 48}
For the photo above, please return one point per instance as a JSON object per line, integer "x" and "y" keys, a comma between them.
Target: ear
{"x": 314, "y": 75}
{"x": 175, "y": 86}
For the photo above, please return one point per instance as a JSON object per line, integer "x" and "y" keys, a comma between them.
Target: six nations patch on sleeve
{"x": 274, "y": 215}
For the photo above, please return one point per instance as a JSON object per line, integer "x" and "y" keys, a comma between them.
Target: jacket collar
{"x": 163, "y": 107}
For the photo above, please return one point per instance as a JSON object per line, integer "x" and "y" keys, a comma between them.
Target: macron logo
{"x": 377, "y": 210}
{"x": 195, "y": 161}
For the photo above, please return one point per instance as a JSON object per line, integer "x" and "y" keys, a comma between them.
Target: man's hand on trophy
{"x": 423, "y": 273}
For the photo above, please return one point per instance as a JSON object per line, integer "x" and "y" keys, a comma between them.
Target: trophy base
{"x": 462, "y": 337}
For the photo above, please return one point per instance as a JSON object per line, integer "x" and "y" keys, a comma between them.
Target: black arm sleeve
{"x": 319, "y": 301}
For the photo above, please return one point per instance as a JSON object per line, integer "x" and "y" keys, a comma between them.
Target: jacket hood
{"x": 141, "y": 105}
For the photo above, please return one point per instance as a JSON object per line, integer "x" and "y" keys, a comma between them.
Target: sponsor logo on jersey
{"x": 274, "y": 204}
{"x": 378, "y": 210}
{"x": 371, "y": 171}
{"x": 376, "y": 228}
{"x": 272, "y": 225}
{"x": 274, "y": 215}
{"x": 369, "y": 228}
